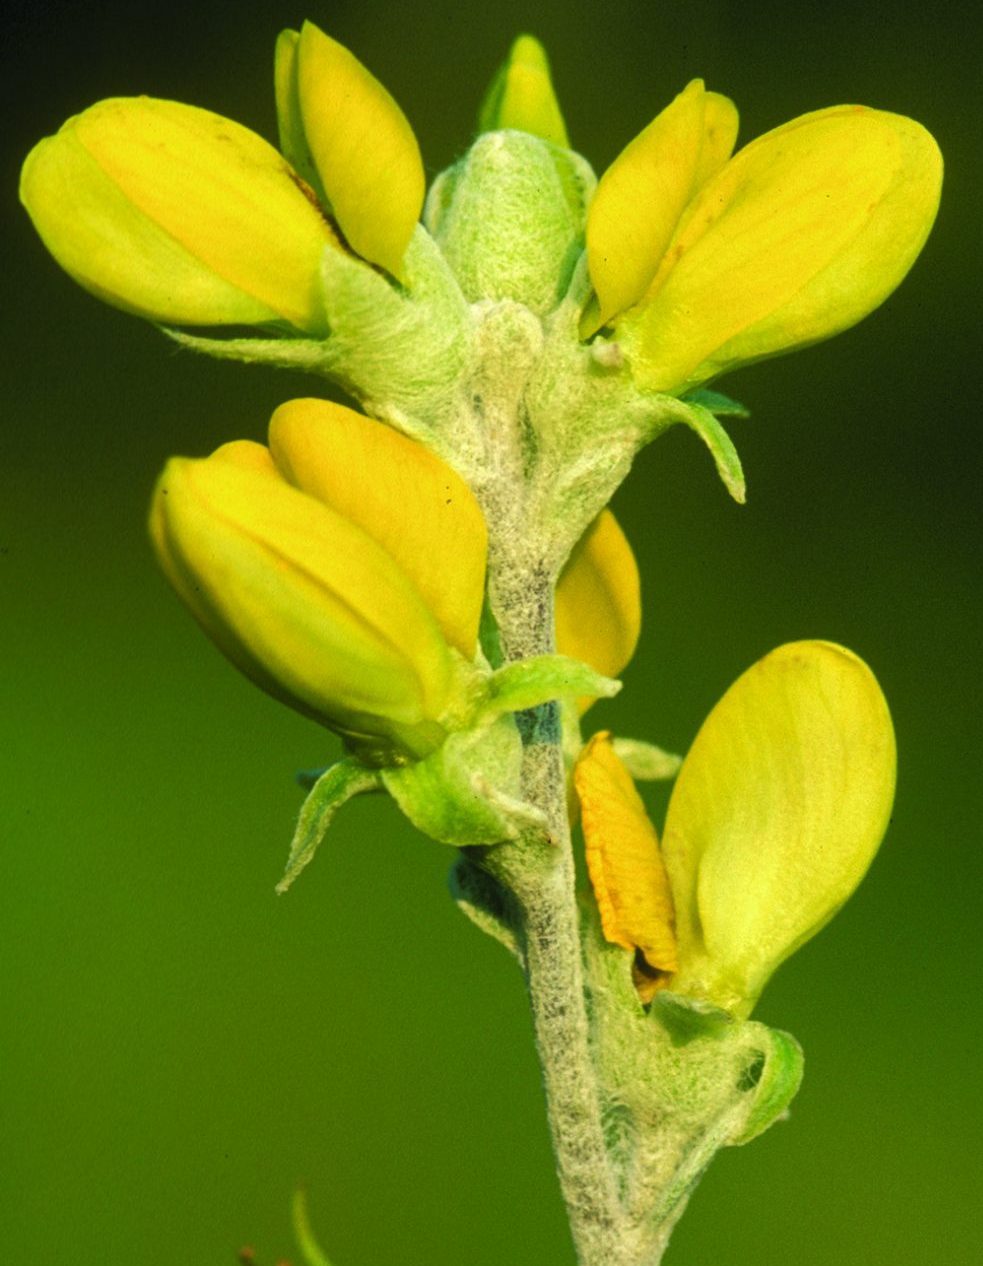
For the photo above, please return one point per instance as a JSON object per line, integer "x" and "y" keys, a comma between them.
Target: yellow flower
{"x": 702, "y": 262}
{"x": 776, "y": 814}
{"x": 342, "y": 569}
{"x": 180, "y": 215}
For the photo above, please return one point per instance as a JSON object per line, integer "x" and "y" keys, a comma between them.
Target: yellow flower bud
{"x": 179, "y": 215}
{"x": 338, "y": 118}
{"x": 775, "y": 816}
{"x": 521, "y": 96}
{"x": 641, "y": 196}
{"x": 798, "y": 236}
{"x": 598, "y": 600}
{"x": 289, "y": 559}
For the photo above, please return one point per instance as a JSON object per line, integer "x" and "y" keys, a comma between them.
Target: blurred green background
{"x": 180, "y": 1047}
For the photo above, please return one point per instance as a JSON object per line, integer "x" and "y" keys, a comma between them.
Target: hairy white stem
{"x": 541, "y": 876}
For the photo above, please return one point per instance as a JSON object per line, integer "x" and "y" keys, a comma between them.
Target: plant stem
{"x": 541, "y": 877}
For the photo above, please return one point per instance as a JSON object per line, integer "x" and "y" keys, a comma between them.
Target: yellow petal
{"x": 364, "y": 149}
{"x": 598, "y": 602}
{"x": 521, "y": 96}
{"x": 193, "y": 595}
{"x": 720, "y": 123}
{"x": 799, "y": 236}
{"x": 623, "y": 859}
{"x": 178, "y": 215}
{"x": 302, "y": 600}
{"x": 776, "y": 815}
{"x": 412, "y": 504}
{"x": 247, "y": 455}
{"x": 639, "y": 200}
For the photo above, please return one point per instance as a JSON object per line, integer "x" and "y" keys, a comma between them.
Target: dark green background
{"x": 179, "y": 1046}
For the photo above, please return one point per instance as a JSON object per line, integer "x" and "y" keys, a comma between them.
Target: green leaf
{"x": 775, "y": 1079}
{"x": 699, "y": 419}
{"x": 286, "y": 352}
{"x": 314, "y": 1255}
{"x": 468, "y": 791}
{"x": 719, "y": 404}
{"x": 530, "y": 682}
{"x": 334, "y": 787}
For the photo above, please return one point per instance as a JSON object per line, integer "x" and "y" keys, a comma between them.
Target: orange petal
{"x": 623, "y": 858}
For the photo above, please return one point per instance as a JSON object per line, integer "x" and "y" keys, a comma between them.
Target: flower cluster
{"x": 699, "y": 260}
{"x": 343, "y": 566}
{"x": 342, "y": 569}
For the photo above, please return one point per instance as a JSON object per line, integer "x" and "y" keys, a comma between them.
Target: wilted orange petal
{"x": 623, "y": 858}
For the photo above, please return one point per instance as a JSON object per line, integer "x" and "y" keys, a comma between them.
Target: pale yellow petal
{"x": 521, "y": 96}
{"x": 196, "y": 597}
{"x": 799, "y": 236}
{"x": 720, "y": 123}
{"x": 247, "y": 455}
{"x": 178, "y": 214}
{"x": 364, "y": 149}
{"x": 776, "y": 815}
{"x": 623, "y": 859}
{"x": 598, "y": 601}
{"x": 639, "y": 200}
{"x": 405, "y": 498}
{"x": 301, "y": 599}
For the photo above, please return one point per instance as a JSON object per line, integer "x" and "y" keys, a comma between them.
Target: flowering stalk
{"x": 437, "y": 579}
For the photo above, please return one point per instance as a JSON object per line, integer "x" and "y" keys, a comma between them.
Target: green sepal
{"x": 776, "y": 1080}
{"x": 530, "y": 682}
{"x": 646, "y": 762}
{"x": 699, "y": 419}
{"x": 719, "y": 404}
{"x": 335, "y": 787}
{"x": 486, "y": 903}
{"x": 467, "y": 792}
{"x": 685, "y": 1019}
{"x": 407, "y": 346}
{"x": 305, "y": 354}
{"x": 772, "y": 1060}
